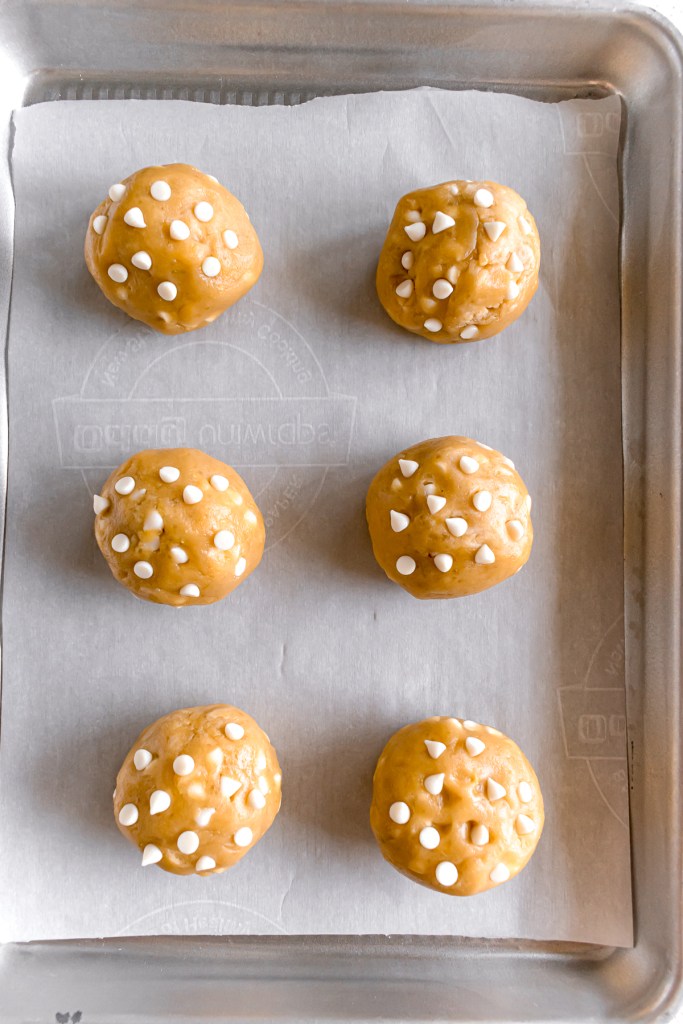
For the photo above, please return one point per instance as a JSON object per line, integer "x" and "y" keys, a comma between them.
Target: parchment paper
{"x": 308, "y": 387}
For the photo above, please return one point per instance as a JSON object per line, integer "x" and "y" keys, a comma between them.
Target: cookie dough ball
{"x": 198, "y": 789}
{"x": 449, "y": 517}
{"x": 172, "y": 247}
{"x": 460, "y": 261}
{"x": 456, "y": 806}
{"x": 178, "y": 527}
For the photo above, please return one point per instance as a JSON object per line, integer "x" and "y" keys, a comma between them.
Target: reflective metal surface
{"x": 224, "y": 52}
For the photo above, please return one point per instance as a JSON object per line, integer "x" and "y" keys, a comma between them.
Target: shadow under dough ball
{"x": 198, "y": 789}
{"x": 460, "y": 261}
{"x": 172, "y": 247}
{"x": 178, "y": 527}
{"x": 456, "y": 806}
{"x": 449, "y": 517}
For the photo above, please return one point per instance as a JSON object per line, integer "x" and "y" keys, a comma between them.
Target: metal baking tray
{"x": 287, "y": 52}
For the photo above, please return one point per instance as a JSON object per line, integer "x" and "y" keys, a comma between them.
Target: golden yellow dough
{"x": 449, "y": 517}
{"x": 456, "y": 806}
{"x": 178, "y": 527}
{"x": 460, "y": 261}
{"x": 172, "y": 247}
{"x": 198, "y": 789}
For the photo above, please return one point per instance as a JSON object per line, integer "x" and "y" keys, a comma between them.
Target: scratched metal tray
{"x": 287, "y": 52}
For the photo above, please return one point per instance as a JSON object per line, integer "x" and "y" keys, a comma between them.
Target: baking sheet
{"x": 309, "y": 388}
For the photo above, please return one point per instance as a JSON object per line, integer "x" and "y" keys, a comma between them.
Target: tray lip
{"x": 663, "y": 32}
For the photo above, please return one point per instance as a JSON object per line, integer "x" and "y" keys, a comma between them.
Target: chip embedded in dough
{"x": 449, "y": 517}
{"x": 456, "y": 806}
{"x": 172, "y": 247}
{"x": 198, "y": 789}
{"x": 178, "y": 527}
{"x": 460, "y": 261}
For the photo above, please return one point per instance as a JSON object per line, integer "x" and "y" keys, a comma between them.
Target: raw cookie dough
{"x": 460, "y": 261}
{"x": 456, "y": 806}
{"x": 172, "y": 247}
{"x": 178, "y": 527}
{"x": 198, "y": 789}
{"x": 449, "y": 517}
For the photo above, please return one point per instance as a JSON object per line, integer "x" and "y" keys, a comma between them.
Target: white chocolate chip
{"x": 188, "y": 842}
{"x": 512, "y": 291}
{"x": 405, "y": 289}
{"x": 525, "y": 825}
{"x": 444, "y": 563}
{"x": 219, "y": 483}
{"x": 416, "y": 231}
{"x": 515, "y": 529}
{"x": 215, "y": 757}
{"x": 482, "y": 501}
{"x": 525, "y": 226}
{"x": 399, "y": 812}
{"x": 399, "y": 521}
{"x": 469, "y": 724}
{"x": 441, "y": 222}
{"x": 412, "y": 216}
{"x": 479, "y": 835}
{"x": 159, "y": 801}
{"x": 143, "y": 570}
{"x": 99, "y": 224}
{"x": 494, "y": 229}
{"x": 457, "y": 526}
{"x": 153, "y": 521}
{"x": 179, "y": 556}
{"x": 141, "y": 759}
{"x": 468, "y": 333}
{"x": 407, "y": 260}
{"x": 234, "y": 731}
{"x": 434, "y": 748}
{"x": 167, "y": 291}
{"x": 169, "y": 474}
{"x": 192, "y": 495}
{"x": 128, "y": 815}
{"x": 508, "y": 462}
{"x": 116, "y": 192}
{"x": 525, "y": 792}
{"x": 528, "y": 502}
{"x": 211, "y": 266}
{"x": 118, "y": 273}
{"x": 408, "y": 467}
{"x": 205, "y": 864}
{"x": 499, "y": 874}
{"x": 484, "y": 556}
{"x": 405, "y": 565}
{"x": 250, "y": 517}
{"x": 429, "y": 838}
{"x": 433, "y": 325}
{"x": 257, "y": 800}
{"x": 142, "y": 260}
{"x": 160, "y": 190}
{"x": 514, "y": 264}
{"x": 203, "y": 816}
{"x": 100, "y": 504}
{"x": 446, "y": 874}
{"x": 429, "y": 488}
{"x": 223, "y": 540}
{"x": 125, "y": 485}
{"x": 482, "y": 197}
{"x": 494, "y": 790}
{"x": 151, "y": 855}
{"x": 189, "y": 590}
{"x": 261, "y": 762}
{"x": 474, "y": 746}
{"x": 203, "y": 211}
{"x": 452, "y": 275}
{"x": 243, "y": 836}
{"x": 240, "y": 566}
{"x": 230, "y": 239}
{"x": 262, "y": 782}
{"x": 468, "y": 464}
{"x": 134, "y": 217}
{"x": 435, "y": 503}
{"x": 179, "y": 230}
{"x": 212, "y": 177}
{"x": 120, "y": 543}
{"x": 229, "y": 786}
{"x": 434, "y": 783}
{"x": 442, "y": 288}
{"x": 183, "y": 764}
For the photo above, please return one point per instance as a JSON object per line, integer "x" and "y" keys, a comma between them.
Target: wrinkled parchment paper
{"x": 308, "y": 387}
